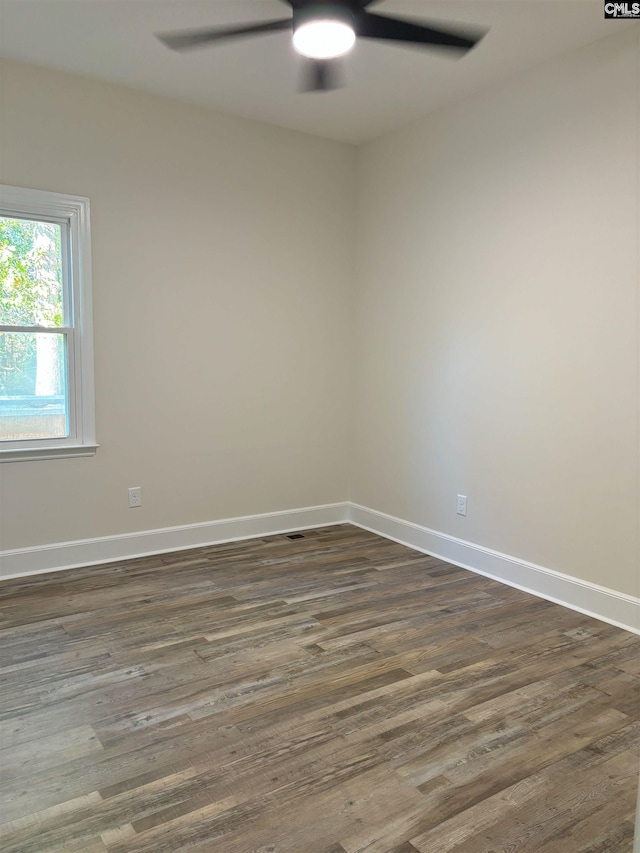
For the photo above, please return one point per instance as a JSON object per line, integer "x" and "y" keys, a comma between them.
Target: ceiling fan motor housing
{"x": 342, "y": 12}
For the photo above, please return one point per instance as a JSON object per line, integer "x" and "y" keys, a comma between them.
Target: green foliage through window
{"x": 31, "y": 294}
{"x": 30, "y": 273}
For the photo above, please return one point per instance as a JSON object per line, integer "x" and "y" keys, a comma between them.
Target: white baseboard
{"x": 108, "y": 549}
{"x": 591, "y": 599}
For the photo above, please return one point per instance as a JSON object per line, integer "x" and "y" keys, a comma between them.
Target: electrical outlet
{"x": 461, "y": 506}
{"x": 135, "y": 496}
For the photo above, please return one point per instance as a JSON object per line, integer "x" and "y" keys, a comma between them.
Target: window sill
{"x": 64, "y": 452}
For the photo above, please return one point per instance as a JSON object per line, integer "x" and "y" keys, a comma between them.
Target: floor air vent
{"x": 295, "y": 536}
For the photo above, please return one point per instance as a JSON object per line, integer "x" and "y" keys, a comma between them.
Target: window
{"x": 46, "y": 348}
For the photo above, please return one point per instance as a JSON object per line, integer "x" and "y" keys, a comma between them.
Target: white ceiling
{"x": 387, "y": 86}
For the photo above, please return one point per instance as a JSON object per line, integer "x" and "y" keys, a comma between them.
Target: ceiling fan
{"x": 324, "y": 31}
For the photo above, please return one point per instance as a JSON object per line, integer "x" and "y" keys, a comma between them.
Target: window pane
{"x": 33, "y": 386}
{"x": 30, "y": 273}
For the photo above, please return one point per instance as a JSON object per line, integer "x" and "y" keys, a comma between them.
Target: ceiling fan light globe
{"x": 324, "y": 39}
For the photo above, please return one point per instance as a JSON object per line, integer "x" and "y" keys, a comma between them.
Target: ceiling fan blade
{"x": 321, "y": 75}
{"x": 188, "y": 39}
{"x": 397, "y": 29}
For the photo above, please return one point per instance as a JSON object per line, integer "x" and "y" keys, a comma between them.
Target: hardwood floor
{"x": 331, "y": 694}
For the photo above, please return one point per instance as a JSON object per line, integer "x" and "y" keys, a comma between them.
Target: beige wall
{"x": 222, "y": 256}
{"x": 494, "y": 318}
{"x": 497, "y": 327}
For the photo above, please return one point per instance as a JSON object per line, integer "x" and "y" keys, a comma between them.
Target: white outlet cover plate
{"x": 135, "y": 496}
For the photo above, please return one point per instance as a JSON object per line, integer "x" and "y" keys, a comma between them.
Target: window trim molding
{"x": 63, "y": 451}
{"x": 74, "y": 210}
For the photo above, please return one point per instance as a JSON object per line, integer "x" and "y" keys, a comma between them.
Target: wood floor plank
{"x": 337, "y": 693}
{"x": 538, "y": 813}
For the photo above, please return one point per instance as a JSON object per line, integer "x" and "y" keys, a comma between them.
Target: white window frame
{"x": 72, "y": 212}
